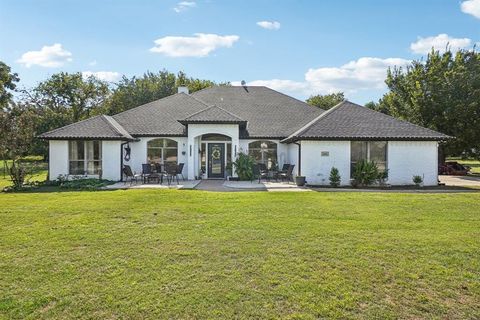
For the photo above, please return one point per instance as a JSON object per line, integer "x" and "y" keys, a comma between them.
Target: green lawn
{"x": 139, "y": 254}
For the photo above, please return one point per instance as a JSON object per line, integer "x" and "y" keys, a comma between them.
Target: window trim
{"x": 368, "y": 142}
{"x": 264, "y": 161}
{"x": 85, "y": 159}
{"x": 162, "y": 148}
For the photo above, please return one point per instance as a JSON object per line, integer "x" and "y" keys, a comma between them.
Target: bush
{"x": 85, "y": 184}
{"x": 382, "y": 177}
{"x": 417, "y": 180}
{"x": 244, "y": 166}
{"x": 334, "y": 177}
{"x": 365, "y": 173}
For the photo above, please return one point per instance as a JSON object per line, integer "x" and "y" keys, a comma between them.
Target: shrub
{"x": 365, "y": 173}
{"x": 417, "y": 180}
{"x": 85, "y": 184}
{"x": 382, "y": 177}
{"x": 334, "y": 177}
{"x": 244, "y": 166}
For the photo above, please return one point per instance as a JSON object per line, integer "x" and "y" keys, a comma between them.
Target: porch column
{"x": 191, "y": 157}
{"x": 235, "y": 150}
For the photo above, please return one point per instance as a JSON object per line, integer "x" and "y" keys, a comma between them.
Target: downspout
{"x": 121, "y": 160}
{"x": 299, "y": 158}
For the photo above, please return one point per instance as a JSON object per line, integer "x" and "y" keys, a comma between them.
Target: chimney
{"x": 183, "y": 90}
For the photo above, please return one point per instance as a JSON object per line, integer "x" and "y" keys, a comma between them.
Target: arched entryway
{"x": 215, "y": 156}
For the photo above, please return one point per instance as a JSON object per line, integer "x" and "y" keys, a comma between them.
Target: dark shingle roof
{"x": 269, "y": 113}
{"x": 99, "y": 127}
{"x": 348, "y": 120}
{"x": 160, "y": 117}
{"x": 213, "y": 114}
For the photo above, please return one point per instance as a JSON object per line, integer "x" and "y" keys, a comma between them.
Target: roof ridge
{"x": 211, "y": 107}
{"x": 230, "y": 113}
{"x": 321, "y": 116}
{"x": 117, "y": 126}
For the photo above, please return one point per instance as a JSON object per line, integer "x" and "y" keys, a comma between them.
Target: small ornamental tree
{"x": 417, "y": 180}
{"x": 334, "y": 177}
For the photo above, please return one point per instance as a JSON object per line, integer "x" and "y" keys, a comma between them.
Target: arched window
{"x": 162, "y": 151}
{"x": 264, "y": 152}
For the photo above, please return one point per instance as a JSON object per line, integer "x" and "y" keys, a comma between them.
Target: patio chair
{"x": 127, "y": 171}
{"x": 146, "y": 171}
{"x": 288, "y": 175}
{"x": 262, "y": 172}
{"x": 171, "y": 172}
{"x": 284, "y": 168}
{"x": 180, "y": 171}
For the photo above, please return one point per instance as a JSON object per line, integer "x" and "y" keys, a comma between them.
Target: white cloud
{"x": 49, "y": 56}
{"x": 440, "y": 42}
{"x": 471, "y": 7}
{"x": 366, "y": 73}
{"x": 108, "y": 76}
{"x": 200, "y": 45}
{"x": 92, "y": 63}
{"x": 184, "y": 5}
{"x": 270, "y": 25}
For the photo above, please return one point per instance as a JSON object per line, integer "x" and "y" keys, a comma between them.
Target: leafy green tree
{"x": 441, "y": 93}
{"x": 380, "y": 107}
{"x": 135, "y": 91}
{"x": 326, "y": 101}
{"x": 70, "y": 95}
{"x": 8, "y": 82}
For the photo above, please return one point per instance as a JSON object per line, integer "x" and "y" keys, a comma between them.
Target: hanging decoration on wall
{"x": 216, "y": 154}
{"x": 127, "y": 152}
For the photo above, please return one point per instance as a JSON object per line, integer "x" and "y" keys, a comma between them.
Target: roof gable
{"x": 348, "y": 120}
{"x": 212, "y": 114}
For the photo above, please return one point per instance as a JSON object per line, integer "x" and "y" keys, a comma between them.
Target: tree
{"x": 380, "y": 107}
{"x": 441, "y": 93}
{"x": 135, "y": 91}
{"x": 326, "y": 101}
{"x": 8, "y": 82}
{"x": 70, "y": 95}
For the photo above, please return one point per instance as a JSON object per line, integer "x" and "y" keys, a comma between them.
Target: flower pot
{"x": 300, "y": 180}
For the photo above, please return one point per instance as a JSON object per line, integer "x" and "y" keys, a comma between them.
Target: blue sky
{"x": 297, "y": 47}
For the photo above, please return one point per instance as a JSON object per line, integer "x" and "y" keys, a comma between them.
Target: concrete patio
{"x": 182, "y": 185}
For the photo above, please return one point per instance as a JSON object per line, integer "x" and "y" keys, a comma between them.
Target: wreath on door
{"x": 216, "y": 154}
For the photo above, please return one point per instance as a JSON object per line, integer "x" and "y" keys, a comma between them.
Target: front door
{"x": 216, "y": 160}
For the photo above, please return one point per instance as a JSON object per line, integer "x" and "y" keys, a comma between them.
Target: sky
{"x": 298, "y": 47}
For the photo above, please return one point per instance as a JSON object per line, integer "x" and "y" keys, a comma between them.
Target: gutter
{"x": 299, "y": 158}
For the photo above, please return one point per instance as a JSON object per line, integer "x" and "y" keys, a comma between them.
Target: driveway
{"x": 464, "y": 181}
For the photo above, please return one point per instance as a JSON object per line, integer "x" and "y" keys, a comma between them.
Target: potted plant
{"x": 243, "y": 166}
{"x": 300, "y": 180}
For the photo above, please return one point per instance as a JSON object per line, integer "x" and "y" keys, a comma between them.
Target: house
{"x": 207, "y": 129}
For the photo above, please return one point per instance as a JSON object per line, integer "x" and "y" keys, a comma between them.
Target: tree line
{"x": 441, "y": 93}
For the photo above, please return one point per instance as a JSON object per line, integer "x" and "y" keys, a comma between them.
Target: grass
{"x": 191, "y": 254}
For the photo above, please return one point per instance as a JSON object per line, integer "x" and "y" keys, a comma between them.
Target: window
{"x": 162, "y": 151}
{"x": 85, "y": 157}
{"x": 264, "y": 152}
{"x": 369, "y": 150}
